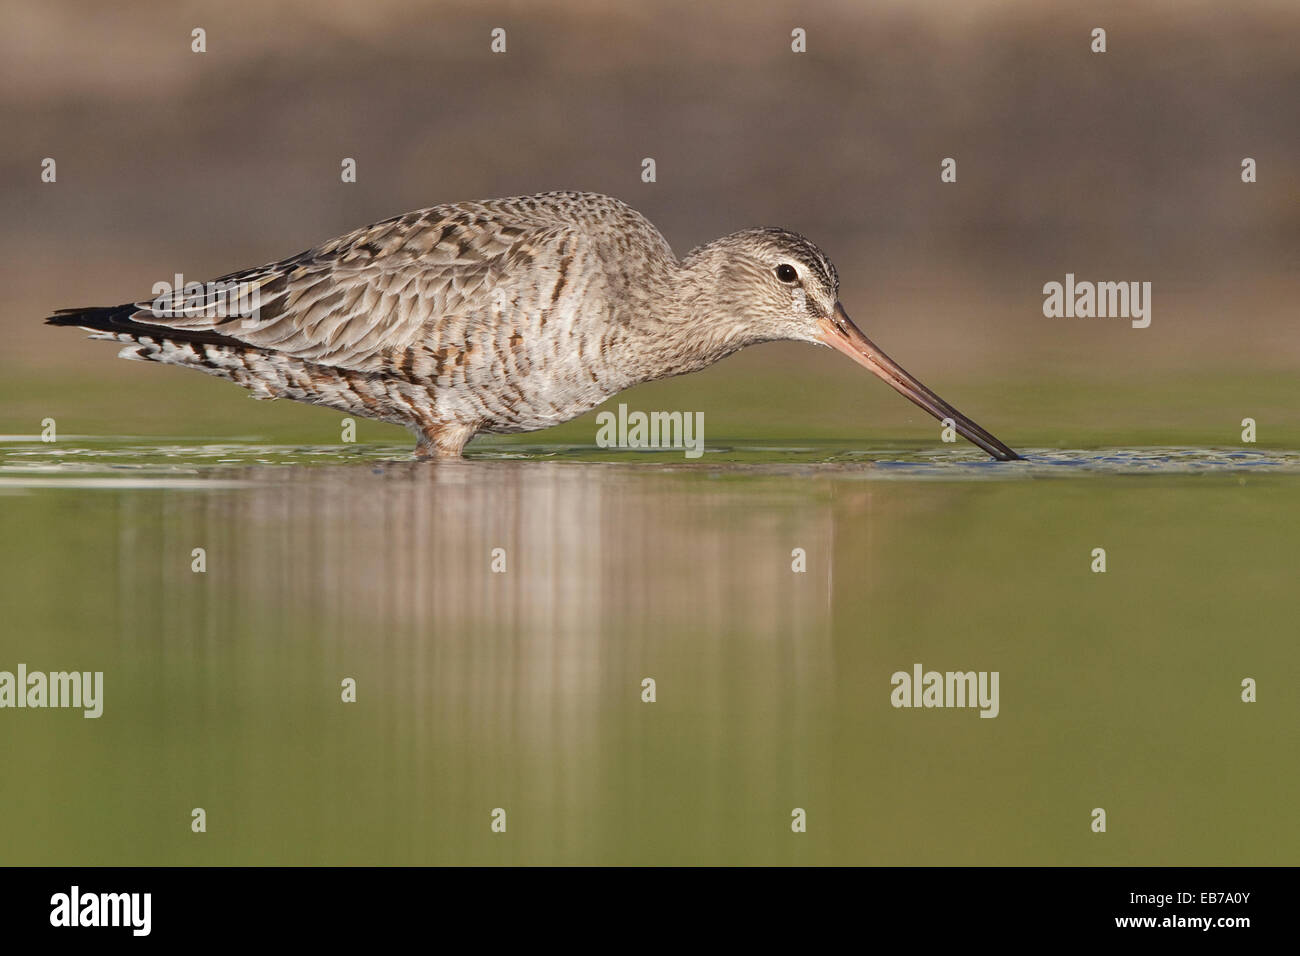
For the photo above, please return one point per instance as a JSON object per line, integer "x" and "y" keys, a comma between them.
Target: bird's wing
{"x": 429, "y": 276}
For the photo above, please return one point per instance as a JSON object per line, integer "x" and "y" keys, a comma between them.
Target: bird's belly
{"x": 537, "y": 401}
{"x": 518, "y": 382}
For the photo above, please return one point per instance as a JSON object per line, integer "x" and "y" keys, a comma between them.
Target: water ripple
{"x": 136, "y": 462}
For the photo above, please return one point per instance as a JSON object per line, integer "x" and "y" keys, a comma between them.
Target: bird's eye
{"x": 786, "y": 272}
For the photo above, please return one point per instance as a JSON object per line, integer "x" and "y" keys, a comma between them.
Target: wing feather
{"x": 357, "y": 300}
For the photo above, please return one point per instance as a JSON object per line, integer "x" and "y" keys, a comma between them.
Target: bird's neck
{"x": 699, "y": 320}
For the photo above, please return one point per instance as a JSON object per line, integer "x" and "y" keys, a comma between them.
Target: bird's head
{"x": 771, "y": 284}
{"x": 767, "y": 284}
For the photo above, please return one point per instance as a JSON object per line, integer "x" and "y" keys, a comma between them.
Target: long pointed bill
{"x": 841, "y": 334}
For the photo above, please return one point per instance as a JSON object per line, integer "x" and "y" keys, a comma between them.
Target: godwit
{"x": 501, "y": 316}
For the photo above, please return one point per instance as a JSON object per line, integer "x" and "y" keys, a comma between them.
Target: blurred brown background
{"x": 1122, "y": 166}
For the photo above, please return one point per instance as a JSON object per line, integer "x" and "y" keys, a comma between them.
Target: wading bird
{"x": 507, "y": 315}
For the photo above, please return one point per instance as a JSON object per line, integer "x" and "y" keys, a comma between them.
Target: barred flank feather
{"x": 267, "y": 374}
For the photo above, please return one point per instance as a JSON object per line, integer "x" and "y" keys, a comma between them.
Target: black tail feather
{"x": 119, "y": 320}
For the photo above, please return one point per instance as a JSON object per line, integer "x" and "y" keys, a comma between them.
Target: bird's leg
{"x": 443, "y": 440}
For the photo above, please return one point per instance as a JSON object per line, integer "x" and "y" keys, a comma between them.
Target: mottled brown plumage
{"x": 506, "y": 315}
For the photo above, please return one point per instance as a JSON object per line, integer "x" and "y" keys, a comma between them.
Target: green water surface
{"x": 522, "y": 690}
